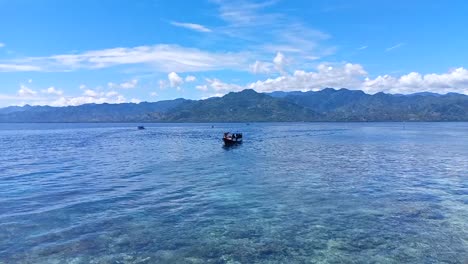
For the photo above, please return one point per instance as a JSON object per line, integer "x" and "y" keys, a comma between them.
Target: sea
{"x": 290, "y": 193}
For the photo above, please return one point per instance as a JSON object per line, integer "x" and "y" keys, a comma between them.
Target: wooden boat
{"x": 232, "y": 138}
{"x": 140, "y": 127}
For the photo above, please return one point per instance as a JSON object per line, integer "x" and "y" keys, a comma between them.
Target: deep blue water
{"x": 291, "y": 193}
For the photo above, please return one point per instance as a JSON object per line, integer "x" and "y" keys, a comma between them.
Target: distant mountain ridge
{"x": 125, "y": 112}
{"x": 245, "y": 106}
{"x": 355, "y": 105}
{"x": 249, "y": 106}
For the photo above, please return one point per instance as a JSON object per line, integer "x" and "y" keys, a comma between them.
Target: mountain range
{"x": 250, "y": 106}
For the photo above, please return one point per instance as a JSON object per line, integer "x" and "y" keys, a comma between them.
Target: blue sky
{"x": 73, "y": 52}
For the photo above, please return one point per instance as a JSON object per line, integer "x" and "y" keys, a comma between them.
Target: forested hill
{"x": 250, "y": 106}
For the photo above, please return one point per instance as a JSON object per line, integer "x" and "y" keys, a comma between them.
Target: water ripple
{"x": 291, "y": 193}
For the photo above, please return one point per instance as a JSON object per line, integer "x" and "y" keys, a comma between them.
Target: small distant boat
{"x": 141, "y": 127}
{"x": 232, "y": 138}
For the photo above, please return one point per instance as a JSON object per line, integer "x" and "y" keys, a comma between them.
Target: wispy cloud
{"x": 26, "y": 92}
{"x": 190, "y": 78}
{"x": 267, "y": 32}
{"x": 240, "y": 13}
{"x": 125, "y": 85}
{"x": 192, "y": 26}
{"x": 161, "y": 57}
{"x": 257, "y": 34}
{"x": 395, "y": 46}
{"x": 362, "y": 47}
{"x": 18, "y": 67}
{"x": 2, "y": 45}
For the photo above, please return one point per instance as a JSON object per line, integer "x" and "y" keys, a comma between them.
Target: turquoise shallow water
{"x": 292, "y": 193}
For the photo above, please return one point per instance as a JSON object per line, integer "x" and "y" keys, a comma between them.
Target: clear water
{"x": 292, "y": 193}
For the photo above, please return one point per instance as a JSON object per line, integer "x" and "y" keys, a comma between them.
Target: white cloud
{"x": 135, "y": 101}
{"x": 89, "y": 96}
{"x": 125, "y": 85}
{"x": 261, "y": 67}
{"x": 153, "y": 94}
{"x": 18, "y": 68}
{"x": 163, "y": 84}
{"x": 52, "y": 91}
{"x": 26, "y": 92}
{"x": 2, "y": 45}
{"x": 91, "y": 93}
{"x": 74, "y": 101}
{"x": 162, "y": 57}
{"x": 190, "y": 78}
{"x": 362, "y": 47}
{"x": 192, "y": 26}
{"x": 174, "y": 79}
{"x": 455, "y": 80}
{"x": 7, "y": 97}
{"x": 23, "y": 96}
{"x": 53, "y": 97}
{"x": 312, "y": 57}
{"x": 213, "y": 95}
{"x": 203, "y": 88}
{"x": 219, "y": 86}
{"x": 130, "y": 84}
{"x": 347, "y": 75}
{"x": 112, "y": 94}
{"x": 30, "y": 81}
{"x": 395, "y": 47}
{"x": 280, "y": 62}
{"x": 351, "y": 76}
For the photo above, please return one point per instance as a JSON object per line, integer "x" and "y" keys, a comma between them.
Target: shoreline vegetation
{"x": 327, "y": 105}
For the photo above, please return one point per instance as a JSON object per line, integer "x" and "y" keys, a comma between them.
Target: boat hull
{"x": 228, "y": 141}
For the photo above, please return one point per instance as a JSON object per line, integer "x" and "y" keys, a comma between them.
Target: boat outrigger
{"x": 232, "y": 138}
